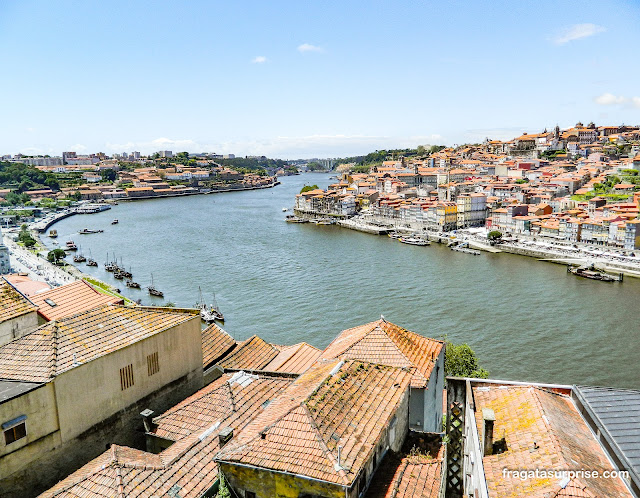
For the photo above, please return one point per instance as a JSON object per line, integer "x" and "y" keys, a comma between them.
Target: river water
{"x": 527, "y": 320}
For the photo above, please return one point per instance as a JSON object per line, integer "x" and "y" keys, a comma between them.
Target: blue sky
{"x": 301, "y": 78}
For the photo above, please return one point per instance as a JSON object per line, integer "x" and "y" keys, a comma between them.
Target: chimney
{"x": 147, "y": 419}
{"x": 489, "y": 418}
{"x": 225, "y": 435}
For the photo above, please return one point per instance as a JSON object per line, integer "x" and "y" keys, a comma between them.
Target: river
{"x": 527, "y": 320}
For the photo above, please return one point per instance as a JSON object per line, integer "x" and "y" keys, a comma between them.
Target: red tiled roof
{"x": 300, "y": 431}
{"x": 215, "y": 344}
{"x": 228, "y": 398}
{"x": 414, "y": 476}
{"x": 294, "y": 359}
{"x": 525, "y": 415}
{"x": 387, "y": 344}
{"x": 25, "y": 285}
{"x": 61, "y": 345}
{"x": 253, "y": 354}
{"x": 70, "y": 300}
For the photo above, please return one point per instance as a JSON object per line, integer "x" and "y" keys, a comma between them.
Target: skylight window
{"x": 50, "y": 302}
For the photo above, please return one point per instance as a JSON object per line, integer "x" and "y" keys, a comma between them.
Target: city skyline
{"x": 299, "y": 81}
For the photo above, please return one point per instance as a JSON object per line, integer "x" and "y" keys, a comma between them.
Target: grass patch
{"x": 107, "y": 289}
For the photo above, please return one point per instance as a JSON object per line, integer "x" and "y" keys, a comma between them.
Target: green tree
{"x": 461, "y": 361}
{"x": 307, "y": 188}
{"x": 56, "y": 255}
{"x": 494, "y": 236}
{"x": 108, "y": 175}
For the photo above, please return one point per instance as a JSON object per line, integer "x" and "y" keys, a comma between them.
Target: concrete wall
{"x": 17, "y": 327}
{"x": 90, "y": 393}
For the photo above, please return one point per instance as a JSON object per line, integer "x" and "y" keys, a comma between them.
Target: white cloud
{"x": 577, "y": 32}
{"x": 77, "y": 148}
{"x": 259, "y": 59}
{"x": 307, "y": 47}
{"x": 30, "y": 130}
{"x": 610, "y": 99}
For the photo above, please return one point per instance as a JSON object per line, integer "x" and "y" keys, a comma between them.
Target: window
{"x": 153, "y": 366}
{"x": 126, "y": 377}
{"x": 15, "y": 429}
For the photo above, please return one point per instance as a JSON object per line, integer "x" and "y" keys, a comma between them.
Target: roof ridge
{"x": 377, "y": 326}
{"x": 323, "y": 445}
{"x": 53, "y": 367}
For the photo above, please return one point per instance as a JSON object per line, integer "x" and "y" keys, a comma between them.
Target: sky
{"x": 301, "y": 79}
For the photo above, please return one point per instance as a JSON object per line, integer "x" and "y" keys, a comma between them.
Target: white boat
{"x": 284, "y": 210}
{"x": 414, "y": 241}
{"x": 209, "y": 314}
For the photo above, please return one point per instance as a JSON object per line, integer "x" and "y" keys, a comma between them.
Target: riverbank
{"x": 476, "y": 239}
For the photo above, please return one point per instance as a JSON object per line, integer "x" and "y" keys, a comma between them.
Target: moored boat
{"x": 115, "y": 222}
{"x": 153, "y": 291}
{"x": 592, "y": 273}
{"x": 53, "y": 233}
{"x": 414, "y": 241}
{"x": 133, "y": 285}
{"x": 86, "y": 231}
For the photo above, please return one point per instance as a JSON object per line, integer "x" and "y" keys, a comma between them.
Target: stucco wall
{"x": 433, "y": 397}
{"x": 39, "y": 406}
{"x": 267, "y": 484}
{"x": 92, "y": 392}
{"x": 17, "y": 327}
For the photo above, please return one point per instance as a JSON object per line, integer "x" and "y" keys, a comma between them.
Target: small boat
{"x": 53, "y": 233}
{"x": 118, "y": 275}
{"x": 70, "y": 243}
{"x": 395, "y": 235}
{"x": 79, "y": 258}
{"x": 294, "y": 219}
{"x": 132, "y": 284}
{"x": 91, "y": 261}
{"x": 86, "y": 231}
{"x": 589, "y": 271}
{"x": 115, "y": 222}
{"x": 414, "y": 241}
{"x": 71, "y": 247}
{"x": 209, "y": 314}
{"x": 153, "y": 291}
{"x": 324, "y": 221}
{"x": 284, "y": 210}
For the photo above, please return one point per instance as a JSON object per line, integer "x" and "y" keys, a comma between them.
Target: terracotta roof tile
{"x": 253, "y": 354}
{"x": 417, "y": 476}
{"x": 294, "y": 359}
{"x": 70, "y": 300}
{"x": 61, "y": 345}
{"x": 215, "y": 344}
{"x": 12, "y": 303}
{"x": 527, "y": 414}
{"x": 387, "y": 344}
{"x": 300, "y": 431}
